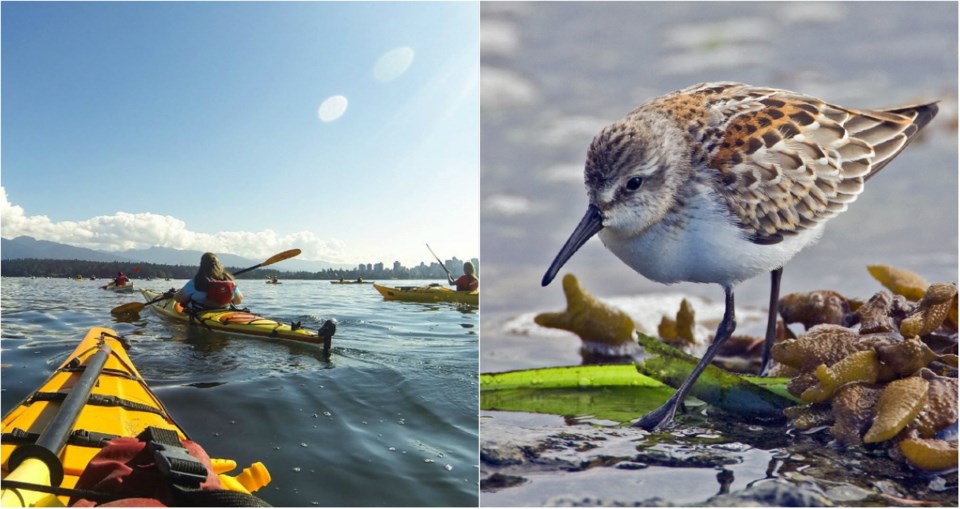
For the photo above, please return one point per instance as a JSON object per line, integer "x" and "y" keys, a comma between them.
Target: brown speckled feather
{"x": 786, "y": 161}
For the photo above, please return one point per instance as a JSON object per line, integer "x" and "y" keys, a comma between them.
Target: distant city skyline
{"x": 48, "y": 253}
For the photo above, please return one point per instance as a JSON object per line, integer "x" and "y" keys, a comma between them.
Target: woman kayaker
{"x": 121, "y": 280}
{"x": 212, "y": 287}
{"x": 468, "y": 282}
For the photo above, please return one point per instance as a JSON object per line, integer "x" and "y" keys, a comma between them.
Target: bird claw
{"x": 661, "y": 418}
{"x": 765, "y": 369}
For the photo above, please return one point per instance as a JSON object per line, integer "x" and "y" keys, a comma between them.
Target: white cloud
{"x": 393, "y": 64}
{"x": 123, "y": 231}
{"x": 332, "y": 108}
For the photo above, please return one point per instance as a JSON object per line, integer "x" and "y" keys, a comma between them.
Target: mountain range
{"x": 29, "y": 247}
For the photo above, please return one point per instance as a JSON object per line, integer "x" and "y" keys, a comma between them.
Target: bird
{"x": 721, "y": 182}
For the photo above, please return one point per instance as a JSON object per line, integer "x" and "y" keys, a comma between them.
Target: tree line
{"x": 35, "y": 267}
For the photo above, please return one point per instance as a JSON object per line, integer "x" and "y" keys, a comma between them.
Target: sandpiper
{"x": 720, "y": 182}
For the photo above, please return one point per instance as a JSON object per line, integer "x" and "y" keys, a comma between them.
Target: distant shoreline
{"x": 43, "y": 267}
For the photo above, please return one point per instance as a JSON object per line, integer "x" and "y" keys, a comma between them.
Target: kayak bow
{"x": 428, "y": 294}
{"x": 96, "y": 395}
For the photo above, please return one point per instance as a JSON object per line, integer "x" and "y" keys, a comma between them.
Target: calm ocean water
{"x": 390, "y": 419}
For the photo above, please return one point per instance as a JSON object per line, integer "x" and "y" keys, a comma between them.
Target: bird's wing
{"x": 788, "y": 162}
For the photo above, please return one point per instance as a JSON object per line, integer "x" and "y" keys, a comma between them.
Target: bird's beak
{"x": 591, "y": 223}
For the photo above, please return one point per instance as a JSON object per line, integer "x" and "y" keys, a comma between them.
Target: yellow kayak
{"x": 96, "y": 394}
{"x": 428, "y": 294}
{"x": 239, "y": 322}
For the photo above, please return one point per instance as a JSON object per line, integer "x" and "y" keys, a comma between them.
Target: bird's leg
{"x": 664, "y": 415}
{"x": 771, "y": 320}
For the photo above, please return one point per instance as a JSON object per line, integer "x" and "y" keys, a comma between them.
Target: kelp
{"x": 593, "y": 320}
{"x": 899, "y": 281}
{"x": 679, "y": 330}
{"x": 881, "y": 369}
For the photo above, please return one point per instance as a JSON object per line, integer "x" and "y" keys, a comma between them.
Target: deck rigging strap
{"x": 79, "y": 437}
{"x": 98, "y": 400}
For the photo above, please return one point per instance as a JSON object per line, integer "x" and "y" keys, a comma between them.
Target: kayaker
{"x": 468, "y": 282}
{"x": 212, "y": 287}
{"x": 120, "y": 280}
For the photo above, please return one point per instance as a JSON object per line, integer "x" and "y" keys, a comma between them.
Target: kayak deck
{"x": 114, "y": 288}
{"x": 235, "y": 321}
{"x": 120, "y": 404}
{"x": 428, "y": 294}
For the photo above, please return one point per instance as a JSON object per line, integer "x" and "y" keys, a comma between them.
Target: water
{"x": 389, "y": 419}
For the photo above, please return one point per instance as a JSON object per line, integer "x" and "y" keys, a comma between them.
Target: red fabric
{"x": 220, "y": 292}
{"x": 121, "y": 280}
{"x": 467, "y": 283}
{"x": 125, "y": 467}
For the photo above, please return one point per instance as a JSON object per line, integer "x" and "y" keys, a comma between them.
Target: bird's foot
{"x": 765, "y": 369}
{"x": 660, "y": 418}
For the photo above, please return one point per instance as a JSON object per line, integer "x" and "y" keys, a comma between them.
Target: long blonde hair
{"x": 210, "y": 268}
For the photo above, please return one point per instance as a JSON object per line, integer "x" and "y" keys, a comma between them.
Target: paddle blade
{"x": 128, "y": 308}
{"x": 279, "y": 257}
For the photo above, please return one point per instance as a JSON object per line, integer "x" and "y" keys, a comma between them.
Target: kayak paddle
{"x": 449, "y": 276}
{"x": 136, "y": 307}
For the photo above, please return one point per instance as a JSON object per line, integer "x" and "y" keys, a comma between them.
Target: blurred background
{"x": 553, "y": 74}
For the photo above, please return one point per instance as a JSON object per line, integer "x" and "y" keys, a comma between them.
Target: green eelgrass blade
{"x": 615, "y": 392}
{"x": 734, "y": 393}
{"x": 620, "y": 393}
{"x": 568, "y": 377}
{"x": 621, "y": 404}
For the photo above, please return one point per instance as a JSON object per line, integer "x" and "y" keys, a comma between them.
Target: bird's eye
{"x": 634, "y": 183}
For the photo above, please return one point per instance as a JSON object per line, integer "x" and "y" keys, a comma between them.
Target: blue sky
{"x": 198, "y": 125}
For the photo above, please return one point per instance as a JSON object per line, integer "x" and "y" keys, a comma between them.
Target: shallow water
{"x": 389, "y": 419}
{"x": 554, "y": 73}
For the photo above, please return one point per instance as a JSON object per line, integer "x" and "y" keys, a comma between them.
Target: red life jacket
{"x": 127, "y": 468}
{"x": 156, "y": 469}
{"x": 220, "y": 292}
